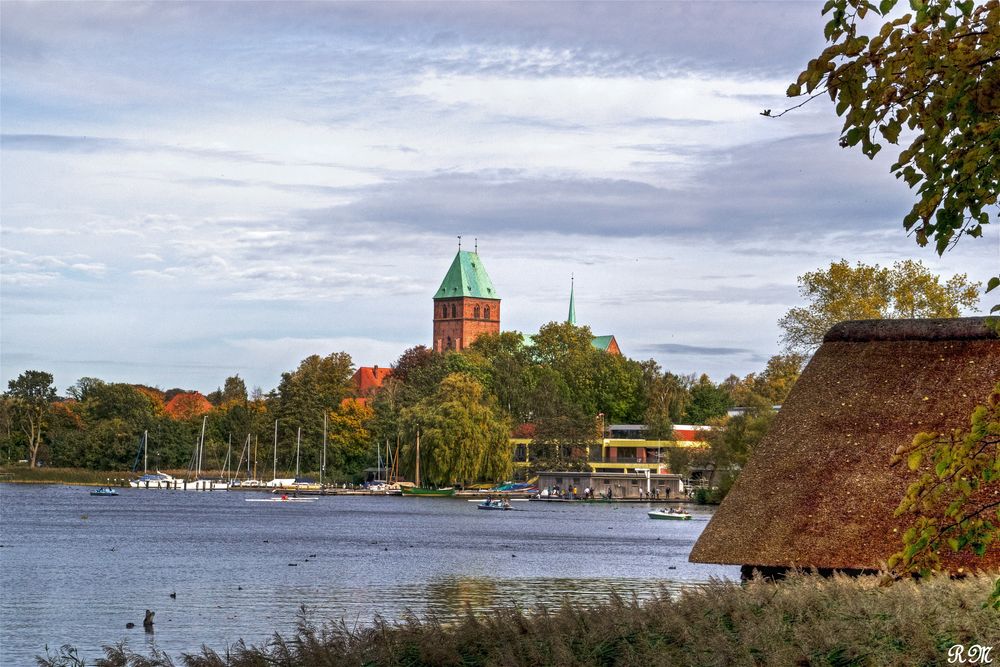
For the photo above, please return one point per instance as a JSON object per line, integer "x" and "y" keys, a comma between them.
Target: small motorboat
{"x": 280, "y": 499}
{"x": 670, "y": 514}
{"x": 104, "y": 491}
{"x": 501, "y": 504}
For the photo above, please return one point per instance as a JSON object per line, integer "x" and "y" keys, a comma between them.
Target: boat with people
{"x": 494, "y": 504}
{"x": 668, "y": 513}
{"x": 104, "y": 491}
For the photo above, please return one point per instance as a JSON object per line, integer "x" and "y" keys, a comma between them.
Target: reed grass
{"x": 805, "y": 620}
{"x": 46, "y": 475}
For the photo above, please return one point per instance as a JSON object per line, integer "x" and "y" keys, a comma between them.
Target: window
{"x": 475, "y": 312}
{"x": 449, "y": 342}
{"x": 635, "y": 482}
{"x": 444, "y": 310}
{"x": 486, "y": 313}
{"x": 453, "y": 311}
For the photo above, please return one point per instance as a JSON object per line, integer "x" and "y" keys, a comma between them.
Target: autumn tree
{"x": 929, "y": 78}
{"x": 348, "y": 440}
{"x": 32, "y": 393}
{"x": 862, "y": 292}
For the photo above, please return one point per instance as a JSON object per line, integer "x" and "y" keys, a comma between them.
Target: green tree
{"x": 32, "y": 393}
{"x": 316, "y": 386}
{"x": 708, "y": 401}
{"x": 462, "y": 436}
{"x": 234, "y": 390}
{"x": 863, "y": 292}
{"x": 666, "y": 398}
{"x": 509, "y": 379}
{"x": 930, "y": 77}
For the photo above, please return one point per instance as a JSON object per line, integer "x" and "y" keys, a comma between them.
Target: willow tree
{"x": 463, "y": 438}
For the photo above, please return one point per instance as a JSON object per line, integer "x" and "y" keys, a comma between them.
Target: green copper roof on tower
{"x": 572, "y": 304}
{"x": 466, "y": 277}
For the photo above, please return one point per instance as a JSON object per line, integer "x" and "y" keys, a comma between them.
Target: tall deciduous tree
{"x": 32, "y": 393}
{"x": 863, "y": 292}
{"x": 316, "y": 386}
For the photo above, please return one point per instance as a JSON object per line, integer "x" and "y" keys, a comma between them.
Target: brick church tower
{"x": 466, "y": 305}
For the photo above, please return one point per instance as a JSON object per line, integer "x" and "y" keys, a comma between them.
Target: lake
{"x": 75, "y": 568}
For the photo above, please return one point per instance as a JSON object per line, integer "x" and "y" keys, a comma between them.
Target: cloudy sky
{"x": 195, "y": 190}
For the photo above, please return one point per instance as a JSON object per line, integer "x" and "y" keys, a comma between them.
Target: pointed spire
{"x": 459, "y": 243}
{"x": 572, "y": 303}
{"x": 477, "y": 244}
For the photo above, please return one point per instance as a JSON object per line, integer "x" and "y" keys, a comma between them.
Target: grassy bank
{"x": 803, "y": 621}
{"x": 81, "y": 476}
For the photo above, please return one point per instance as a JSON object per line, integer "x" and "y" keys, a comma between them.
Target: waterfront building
{"x": 635, "y": 485}
{"x": 819, "y": 490}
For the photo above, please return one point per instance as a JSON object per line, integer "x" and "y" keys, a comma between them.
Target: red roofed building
{"x": 368, "y": 379}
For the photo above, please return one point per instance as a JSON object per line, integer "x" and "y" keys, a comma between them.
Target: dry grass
{"x": 78, "y": 476}
{"x": 805, "y": 620}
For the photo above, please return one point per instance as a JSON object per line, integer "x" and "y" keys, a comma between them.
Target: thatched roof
{"x": 819, "y": 490}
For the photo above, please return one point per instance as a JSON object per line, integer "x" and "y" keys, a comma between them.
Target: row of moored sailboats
{"x": 162, "y": 480}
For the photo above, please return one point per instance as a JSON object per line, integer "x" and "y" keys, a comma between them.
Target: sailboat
{"x": 416, "y": 489}
{"x": 157, "y": 480}
{"x": 198, "y": 484}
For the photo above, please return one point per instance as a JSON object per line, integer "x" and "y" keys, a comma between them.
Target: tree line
{"x": 465, "y": 405}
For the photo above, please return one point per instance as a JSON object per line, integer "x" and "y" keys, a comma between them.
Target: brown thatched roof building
{"x": 819, "y": 490}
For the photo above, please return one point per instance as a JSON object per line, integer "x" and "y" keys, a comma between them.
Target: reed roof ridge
{"x": 953, "y": 328}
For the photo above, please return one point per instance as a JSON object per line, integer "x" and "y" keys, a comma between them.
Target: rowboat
{"x": 670, "y": 514}
{"x": 501, "y": 504}
{"x": 104, "y": 491}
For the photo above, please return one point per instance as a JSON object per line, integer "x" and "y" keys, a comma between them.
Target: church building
{"x": 466, "y": 305}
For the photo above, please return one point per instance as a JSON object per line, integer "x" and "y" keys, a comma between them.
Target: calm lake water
{"x": 75, "y": 568}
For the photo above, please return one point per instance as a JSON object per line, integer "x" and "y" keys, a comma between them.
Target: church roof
{"x": 602, "y": 342}
{"x": 819, "y": 490}
{"x": 466, "y": 277}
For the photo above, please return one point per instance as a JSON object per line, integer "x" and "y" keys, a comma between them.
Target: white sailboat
{"x": 157, "y": 480}
{"x": 199, "y": 484}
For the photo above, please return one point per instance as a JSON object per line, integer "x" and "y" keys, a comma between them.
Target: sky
{"x": 194, "y": 190}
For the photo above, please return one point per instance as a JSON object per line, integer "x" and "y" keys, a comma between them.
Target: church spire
{"x": 572, "y": 303}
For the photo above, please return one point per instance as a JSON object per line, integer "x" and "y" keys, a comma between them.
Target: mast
{"x": 274, "y": 474}
{"x": 416, "y": 475}
{"x": 229, "y": 453}
{"x": 322, "y": 466}
{"x": 256, "y": 439}
{"x": 145, "y": 451}
{"x": 298, "y": 446}
{"x": 201, "y": 445}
